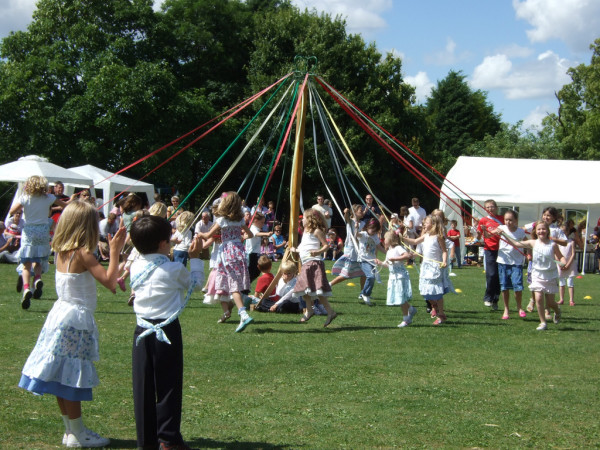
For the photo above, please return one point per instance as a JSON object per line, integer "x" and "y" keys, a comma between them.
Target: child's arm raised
{"x": 108, "y": 277}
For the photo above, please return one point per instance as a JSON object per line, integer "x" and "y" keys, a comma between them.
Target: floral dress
{"x": 232, "y": 270}
{"x": 62, "y": 361}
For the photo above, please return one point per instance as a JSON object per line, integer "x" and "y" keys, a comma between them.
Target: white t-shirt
{"x": 185, "y": 238}
{"x": 36, "y": 209}
{"x": 253, "y": 244}
{"x": 507, "y": 254}
{"x": 367, "y": 247}
{"x": 417, "y": 215}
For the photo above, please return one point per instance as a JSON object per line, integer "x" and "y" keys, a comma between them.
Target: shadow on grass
{"x": 211, "y": 443}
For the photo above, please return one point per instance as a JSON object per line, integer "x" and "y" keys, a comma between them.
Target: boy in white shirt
{"x": 162, "y": 289}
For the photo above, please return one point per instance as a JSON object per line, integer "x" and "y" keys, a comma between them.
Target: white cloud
{"x": 535, "y": 79}
{"x": 15, "y": 15}
{"x": 576, "y": 22}
{"x": 516, "y": 51}
{"x": 362, "y": 16}
{"x": 535, "y": 117}
{"x": 447, "y": 56}
{"x": 422, "y": 84}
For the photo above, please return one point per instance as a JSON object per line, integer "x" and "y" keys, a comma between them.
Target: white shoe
{"x": 487, "y": 303}
{"x": 366, "y": 300}
{"x": 542, "y": 327}
{"x": 65, "y": 438}
{"x": 452, "y": 274}
{"x": 403, "y": 324}
{"x": 86, "y": 439}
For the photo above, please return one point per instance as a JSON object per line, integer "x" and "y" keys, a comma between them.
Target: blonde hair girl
{"x": 70, "y": 334}
{"x": 312, "y": 282}
{"x": 347, "y": 266}
{"x": 158, "y": 209}
{"x": 35, "y": 238}
{"x": 232, "y": 277}
{"x": 182, "y": 238}
{"x": 434, "y": 281}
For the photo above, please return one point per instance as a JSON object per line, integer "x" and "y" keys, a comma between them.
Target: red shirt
{"x": 263, "y": 283}
{"x": 490, "y": 242}
{"x": 453, "y": 233}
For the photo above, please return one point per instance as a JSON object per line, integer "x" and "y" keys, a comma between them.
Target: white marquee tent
{"x": 527, "y": 184}
{"x": 111, "y": 184}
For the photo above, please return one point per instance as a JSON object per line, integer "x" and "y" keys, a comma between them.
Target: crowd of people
{"x": 154, "y": 246}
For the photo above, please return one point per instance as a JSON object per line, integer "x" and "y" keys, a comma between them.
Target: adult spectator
{"x": 370, "y": 209}
{"x": 323, "y": 209}
{"x": 203, "y": 225}
{"x": 107, "y": 226}
{"x": 408, "y": 222}
{"x": 260, "y": 207}
{"x": 279, "y": 242}
{"x": 59, "y": 193}
{"x": 491, "y": 244}
{"x": 17, "y": 220}
{"x": 417, "y": 214}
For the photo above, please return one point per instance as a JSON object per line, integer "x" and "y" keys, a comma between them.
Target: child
{"x": 130, "y": 205}
{"x": 35, "y": 237}
{"x": 567, "y": 274}
{"x": 253, "y": 244}
{"x": 399, "y": 290}
{"x": 162, "y": 290}
{"x": 278, "y": 242}
{"x": 182, "y": 237}
{"x": 368, "y": 244}
{"x": 510, "y": 262}
{"x": 267, "y": 248}
{"x": 433, "y": 278}
{"x": 336, "y": 246}
{"x": 62, "y": 362}
{"x": 264, "y": 281}
{"x": 347, "y": 266}
{"x": 312, "y": 282}
{"x": 287, "y": 303}
{"x": 544, "y": 274}
{"x": 232, "y": 276}
{"x": 454, "y": 236}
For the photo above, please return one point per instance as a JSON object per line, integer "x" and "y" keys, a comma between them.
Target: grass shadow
{"x": 211, "y": 443}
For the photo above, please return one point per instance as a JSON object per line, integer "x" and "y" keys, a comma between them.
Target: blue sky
{"x": 518, "y": 51}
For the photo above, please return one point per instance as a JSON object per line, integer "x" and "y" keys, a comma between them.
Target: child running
{"x": 182, "y": 238}
{"x": 399, "y": 290}
{"x": 35, "y": 237}
{"x": 312, "y": 282}
{"x": 232, "y": 276}
{"x": 433, "y": 278}
{"x": 544, "y": 274}
{"x": 368, "y": 244}
{"x": 510, "y": 262}
{"x": 62, "y": 362}
{"x": 347, "y": 266}
{"x": 567, "y": 274}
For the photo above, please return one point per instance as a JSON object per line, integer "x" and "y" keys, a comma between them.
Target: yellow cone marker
{"x": 409, "y": 267}
{"x": 328, "y": 271}
{"x": 587, "y": 297}
{"x": 458, "y": 291}
{"x": 350, "y": 284}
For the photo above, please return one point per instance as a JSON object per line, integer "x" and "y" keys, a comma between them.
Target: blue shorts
{"x": 511, "y": 277}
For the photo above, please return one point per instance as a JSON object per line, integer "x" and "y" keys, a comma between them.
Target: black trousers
{"x": 157, "y": 369}
{"x": 253, "y": 269}
{"x": 492, "y": 285}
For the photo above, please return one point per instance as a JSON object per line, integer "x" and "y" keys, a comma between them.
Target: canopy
{"x": 112, "y": 184}
{"x": 527, "y": 185}
{"x": 26, "y": 166}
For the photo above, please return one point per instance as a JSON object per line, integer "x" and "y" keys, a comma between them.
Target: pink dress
{"x": 232, "y": 269}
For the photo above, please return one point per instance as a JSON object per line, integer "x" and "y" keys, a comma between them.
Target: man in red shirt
{"x": 491, "y": 243}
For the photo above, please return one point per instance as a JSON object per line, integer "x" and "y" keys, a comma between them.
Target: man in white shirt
{"x": 323, "y": 209}
{"x": 417, "y": 214}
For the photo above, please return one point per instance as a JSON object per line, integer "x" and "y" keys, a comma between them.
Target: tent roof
{"x": 523, "y": 181}
{"x": 119, "y": 182}
{"x": 26, "y": 166}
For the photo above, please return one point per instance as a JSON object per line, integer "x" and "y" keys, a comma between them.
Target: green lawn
{"x": 477, "y": 381}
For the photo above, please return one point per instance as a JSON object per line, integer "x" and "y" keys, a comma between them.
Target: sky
{"x": 518, "y": 51}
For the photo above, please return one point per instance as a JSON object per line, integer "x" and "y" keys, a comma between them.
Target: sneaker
{"x": 121, "y": 283}
{"x": 557, "y": 316}
{"x": 411, "y": 312}
{"x": 243, "y": 324}
{"x": 452, "y": 274}
{"x": 38, "y": 284}
{"x": 20, "y": 283}
{"x": 542, "y": 327}
{"x": 487, "y": 303}
{"x": 366, "y": 300}
{"x": 26, "y": 300}
{"x": 65, "y": 438}
{"x": 86, "y": 439}
{"x": 495, "y": 306}
{"x": 404, "y": 323}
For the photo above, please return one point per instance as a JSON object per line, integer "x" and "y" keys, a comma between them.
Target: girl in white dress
{"x": 62, "y": 362}
{"x": 567, "y": 274}
{"x": 433, "y": 278}
{"x": 544, "y": 273}
{"x": 399, "y": 290}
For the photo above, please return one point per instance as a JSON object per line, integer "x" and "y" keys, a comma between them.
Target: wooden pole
{"x": 295, "y": 189}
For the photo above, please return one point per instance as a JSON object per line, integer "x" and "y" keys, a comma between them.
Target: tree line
{"x": 107, "y": 82}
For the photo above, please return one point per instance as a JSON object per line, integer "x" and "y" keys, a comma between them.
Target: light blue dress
{"x": 399, "y": 289}
{"x": 434, "y": 280}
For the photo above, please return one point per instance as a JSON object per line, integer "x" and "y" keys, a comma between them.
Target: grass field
{"x": 477, "y": 381}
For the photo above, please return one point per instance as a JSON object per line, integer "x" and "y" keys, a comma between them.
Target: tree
{"x": 457, "y": 117}
{"x": 577, "y": 124}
